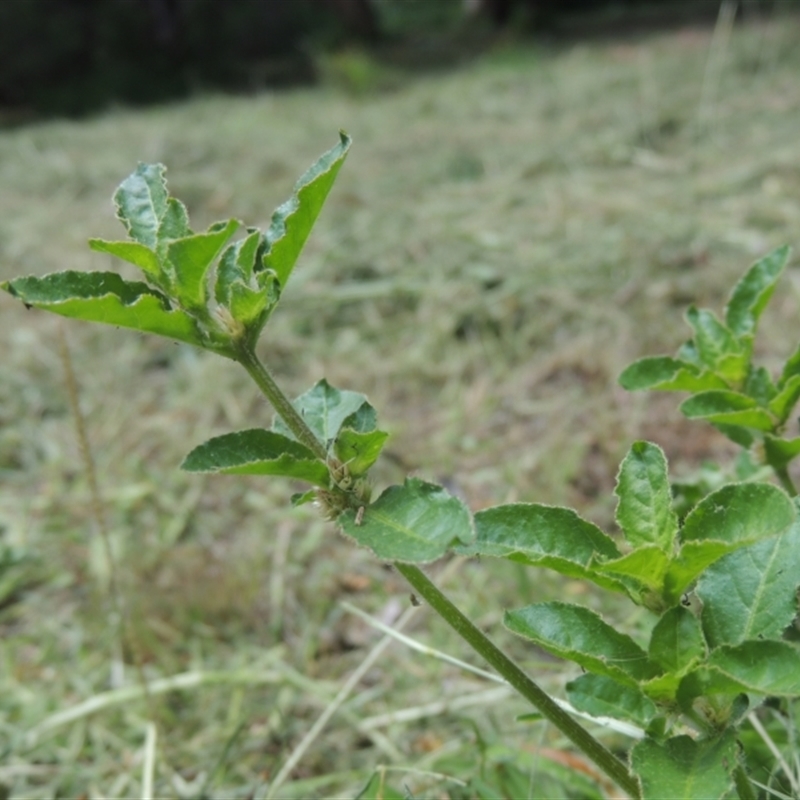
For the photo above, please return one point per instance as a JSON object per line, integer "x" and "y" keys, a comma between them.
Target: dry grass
{"x": 503, "y": 240}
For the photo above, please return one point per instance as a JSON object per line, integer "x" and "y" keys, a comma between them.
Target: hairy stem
{"x": 579, "y": 736}
{"x": 282, "y": 405}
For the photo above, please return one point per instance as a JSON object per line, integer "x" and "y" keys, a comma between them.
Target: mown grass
{"x": 502, "y": 241}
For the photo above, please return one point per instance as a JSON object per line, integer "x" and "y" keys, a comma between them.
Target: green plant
{"x": 718, "y": 583}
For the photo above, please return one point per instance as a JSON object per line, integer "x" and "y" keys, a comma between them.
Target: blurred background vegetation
{"x": 508, "y": 233}
{"x": 76, "y": 56}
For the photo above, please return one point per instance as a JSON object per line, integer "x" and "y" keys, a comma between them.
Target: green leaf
{"x": 359, "y": 451}
{"x": 779, "y": 452}
{"x": 647, "y": 565}
{"x": 736, "y": 433}
{"x": 105, "y": 297}
{"x": 765, "y": 667}
{"x": 728, "y": 408}
{"x": 582, "y": 636}
{"x": 249, "y": 297}
{"x": 132, "y": 252}
{"x": 364, "y": 420}
{"x": 236, "y": 266}
{"x": 752, "y": 592}
{"x": 416, "y": 522}
{"x": 740, "y": 513}
{"x": 543, "y": 536}
{"x": 325, "y": 410}
{"x": 663, "y": 373}
{"x": 759, "y": 386}
{"x": 717, "y": 347}
{"x": 752, "y": 293}
{"x": 601, "y": 696}
{"x": 191, "y": 258}
{"x": 292, "y": 222}
{"x": 301, "y": 498}
{"x": 732, "y": 517}
{"x": 783, "y": 403}
{"x": 790, "y": 368}
{"x": 685, "y": 769}
{"x": 692, "y": 559}
{"x": 175, "y": 222}
{"x": 141, "y": 202}
{"x": 676, "y": 643}
{"x": 644, "y": 510}
{"x": 257, "y": 452}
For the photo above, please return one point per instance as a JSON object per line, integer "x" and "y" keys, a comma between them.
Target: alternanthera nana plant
{"x": 718, "y": 576}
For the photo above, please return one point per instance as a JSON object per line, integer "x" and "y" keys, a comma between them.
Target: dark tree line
{"x": 72, "y": 56}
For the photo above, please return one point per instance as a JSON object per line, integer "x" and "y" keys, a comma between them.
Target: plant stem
{"x": 580, "y": 737}
{"x": 744, "y": 788}
{"x": 282, "y": 405}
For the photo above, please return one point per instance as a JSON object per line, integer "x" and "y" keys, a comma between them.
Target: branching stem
{"x": 287, "y": 412}
{"x": 579, "y": 736}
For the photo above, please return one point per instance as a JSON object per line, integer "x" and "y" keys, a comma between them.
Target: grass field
{"x": 502, "y": 241}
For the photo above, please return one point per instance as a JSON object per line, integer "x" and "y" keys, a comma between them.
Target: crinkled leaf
{"x": 676, "y": 642}
{"x": 236, "y": 266}
{"x": 752, "y": 293}
{"x": 646, "y": 565}
{"x": 175, "y": 222}
{"x": 191, "y": 258}
{"x": 752, "y": 592}
{"x": 105, "y": 297}
{"x": 359, "y": 450}
{"x": 718, "y": 348}
{"x": 683, "y": 768}
{"x": 644, "y": 510}
{"x": 780, "y": 452}
{"x": 416, "y": 522}
{"x": 763, "y": 666}
{"x": 292, "y": 222}
{"x": 582, "y": 636}
{"x": 782, "y": 404}
{"x": 257, "y": 452}
{"x": 132, "y": 252}
{"x": 325, "y": 410}
{"x": 668, "y": 374}
{"x": 543, "y": 536}
{"x": 601, "y": 696}
{"x": 728, "y": 408}
{"x": 141, "y": 201}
